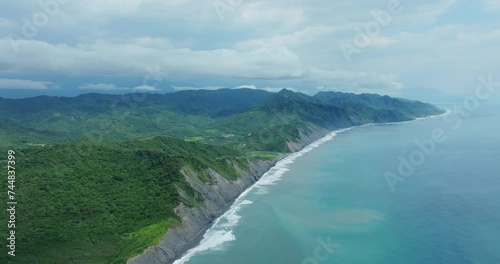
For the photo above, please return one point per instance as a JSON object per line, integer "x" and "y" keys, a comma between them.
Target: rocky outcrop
{"x": 218, "y": 196}
{"x": 196, "y": 220}
{"x": 307, "y": 137}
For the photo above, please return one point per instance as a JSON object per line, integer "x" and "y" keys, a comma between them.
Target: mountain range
{"x": 102, "y": 178}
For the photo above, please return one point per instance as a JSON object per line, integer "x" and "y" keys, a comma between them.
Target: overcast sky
{"x": 418, "y": 49}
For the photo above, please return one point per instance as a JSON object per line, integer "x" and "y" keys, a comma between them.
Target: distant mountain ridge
{"x": 195, "y": 102}
{"x": 196, "y": 113}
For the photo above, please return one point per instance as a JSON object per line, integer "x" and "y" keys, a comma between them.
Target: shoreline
{"x": 328, "y": 137}
{"x": 281, "y": 161}
{"x": 200, "y": 241}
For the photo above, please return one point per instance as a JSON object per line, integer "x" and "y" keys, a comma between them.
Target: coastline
{"x": 199, "y": 241}
{"x": 265, "y": 180}
{"x": 178, "y": 242}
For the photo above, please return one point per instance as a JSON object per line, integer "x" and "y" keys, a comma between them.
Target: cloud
{"x": 146, "y": 88}
{"x": 263, "y": 12}
{"x": 113, "y": 87}
{"x": 427, "y": 12}
{"x": 247, "y": 86}
{"x": 269, "y": 89}
{"x": 346, "y": 80}
{"x": 277, "y": 89}
{"x": 98, "y": 86}
{"x": 106, "y": 58}
{"x": 449, "y": 57}
{"x": 24, "y": 84}
{"x": 296, "y": 38}
{"x": 491, "y": 5}
{"x": 289, "y": 43}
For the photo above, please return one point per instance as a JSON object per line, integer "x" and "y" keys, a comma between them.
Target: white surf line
{"x": 221, "y": 231}
{"x": 413, "y": 120}
{"x": 432, "y": 116}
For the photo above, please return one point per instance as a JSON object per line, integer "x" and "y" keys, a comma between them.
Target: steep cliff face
{"x": 196, "y": 220}
{"x": 217, "y": 198}
{"x": 307, "y": 137}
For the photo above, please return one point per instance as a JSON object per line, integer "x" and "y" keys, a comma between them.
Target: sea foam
{"x": 221, "y": 232}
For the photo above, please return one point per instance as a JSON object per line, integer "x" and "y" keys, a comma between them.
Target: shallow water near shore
{"x": 333, "y": 204}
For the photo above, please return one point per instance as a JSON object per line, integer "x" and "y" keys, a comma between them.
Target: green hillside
{"x": 98, "y": 175}
{"x": 222, "y": 117}
{"x": 99, "y": 202}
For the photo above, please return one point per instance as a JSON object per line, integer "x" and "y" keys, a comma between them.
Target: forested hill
{"x": 98, "y": 177}
{"x": 97, "y": 202}
{"x": 208, "y": 116}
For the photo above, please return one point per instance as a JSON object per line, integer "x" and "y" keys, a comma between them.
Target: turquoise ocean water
{"x": 332, "y": 203}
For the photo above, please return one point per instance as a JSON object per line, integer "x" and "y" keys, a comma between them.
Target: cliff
{"x": 218, "y": 197}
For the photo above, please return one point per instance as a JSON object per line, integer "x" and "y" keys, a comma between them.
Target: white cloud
{"x": 491, "y": 5}
{"x": 263, "y": 12}
{"x": 277, "y": 89}
{"x": 98, "y": 86}
{"x": 105, "y": 58}
{"x": 111, "y": 87}
{"x": 247, "y": 86}
{"x": 24, "y": 84}
{"x": 346, "y": 80}
{"x": 296, "y": 38}
{"x": 269, "y": 89}
{"x": 281, "y": 41}
{"x": 146, "y": 88}
{"x": 155, "y": 43}
{"x": 380, "y": 41}
{"x": 448, "y": 58}
{"x": 427, "y": 11}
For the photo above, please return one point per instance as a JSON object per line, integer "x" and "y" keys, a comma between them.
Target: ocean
{"x": 426, "y": 191}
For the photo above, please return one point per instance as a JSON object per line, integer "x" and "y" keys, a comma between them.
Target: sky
{"x": 426, "y": 49}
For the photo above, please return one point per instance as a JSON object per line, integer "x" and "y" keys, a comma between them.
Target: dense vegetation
{"x": 98, "y": 202}
{"x": 98, "y": 175}
{"x": 245, "y": 119}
